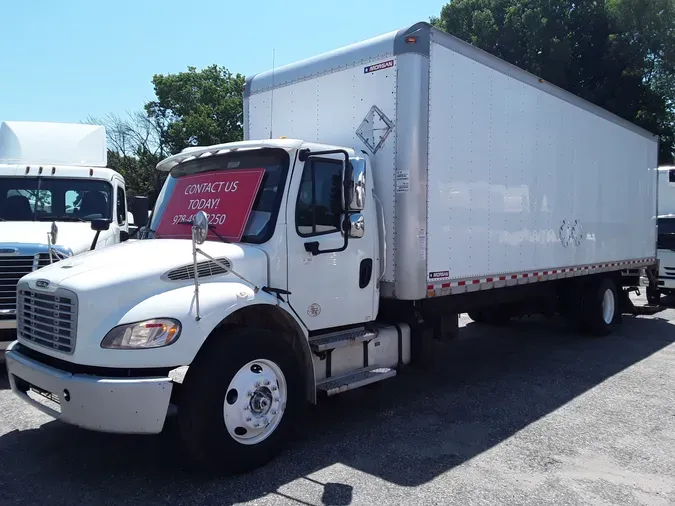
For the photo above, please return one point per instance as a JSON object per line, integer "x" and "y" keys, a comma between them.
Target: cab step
{"x": 354, "y": 379}
{"x": 336, "y": 340}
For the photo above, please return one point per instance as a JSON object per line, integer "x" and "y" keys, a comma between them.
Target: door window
{"x": 319, "y": 207}
{"x": 121, "y": 206}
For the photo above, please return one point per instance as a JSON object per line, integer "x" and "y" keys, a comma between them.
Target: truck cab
{"x": 53, "y": 184}
{"x": 666, "y": 254}
{"x": 298, "y": 213}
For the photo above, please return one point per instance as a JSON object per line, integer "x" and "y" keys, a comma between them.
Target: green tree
{"x": 135, "y": 147}
{"x": 618, "y": 54}
{"x": 197, "y": 107}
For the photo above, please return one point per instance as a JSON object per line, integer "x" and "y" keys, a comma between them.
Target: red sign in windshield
{"x": 226, "y": 196}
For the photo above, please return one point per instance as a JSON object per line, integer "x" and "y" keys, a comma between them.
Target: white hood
{"x": 130, "y": 278}
{"x": 135, "y": 267}
{"x": 76, "y": 236}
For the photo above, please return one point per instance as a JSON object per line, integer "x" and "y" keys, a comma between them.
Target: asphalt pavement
{"x": 525, "y": 414}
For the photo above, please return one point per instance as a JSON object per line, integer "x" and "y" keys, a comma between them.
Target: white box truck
{"x": 419, "y": 178}
{"x": 54, "y": 184}
{"x": 665, "y": 283}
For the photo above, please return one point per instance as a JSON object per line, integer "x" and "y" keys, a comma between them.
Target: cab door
{"x": 332, "y": 272}
{"x": 119, "y": 225}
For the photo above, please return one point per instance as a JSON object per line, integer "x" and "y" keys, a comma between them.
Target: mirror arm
{"x": 93, "y": 243}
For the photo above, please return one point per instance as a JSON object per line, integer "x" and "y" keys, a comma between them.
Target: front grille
{"x": 12, "y": 269}
{"x": 48, "y": 318}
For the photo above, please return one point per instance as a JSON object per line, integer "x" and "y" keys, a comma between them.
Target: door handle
{"x": 365, "y": 272}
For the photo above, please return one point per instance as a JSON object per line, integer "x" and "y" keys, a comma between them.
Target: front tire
{"x": 240, "y": 400}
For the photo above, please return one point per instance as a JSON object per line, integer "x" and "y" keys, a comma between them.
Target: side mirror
{"x": 124, "y": 235}
{"x": 100, "y": 225}
{"x": 200, "y": 227}
{"x": 53, "y": 233}
{"x": 355, "y": 185}
{"x": 356, "y": 226}
{"x": 140, "y": 208}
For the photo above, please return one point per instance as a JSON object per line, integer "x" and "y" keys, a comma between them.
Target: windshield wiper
{"x": 60, "y": 218}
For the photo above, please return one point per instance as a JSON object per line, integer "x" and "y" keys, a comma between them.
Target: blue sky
{"x": 67, "y": 59}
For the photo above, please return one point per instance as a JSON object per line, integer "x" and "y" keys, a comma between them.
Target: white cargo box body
{"x": 488, "y": 176}
{"x": 50, "y": 143}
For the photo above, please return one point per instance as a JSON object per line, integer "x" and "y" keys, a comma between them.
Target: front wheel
{"x": 240, "y": 400}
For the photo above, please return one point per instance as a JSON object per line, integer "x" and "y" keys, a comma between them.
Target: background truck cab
{"x": 53, "y": 184}
{"x": 665, "y": 252}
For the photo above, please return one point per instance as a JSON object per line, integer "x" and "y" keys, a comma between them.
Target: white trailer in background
{"x": 382, "y": 189}
{"x": 53, "y": 184}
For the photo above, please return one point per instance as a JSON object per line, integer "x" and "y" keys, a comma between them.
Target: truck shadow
{"x": 487, "y": 385}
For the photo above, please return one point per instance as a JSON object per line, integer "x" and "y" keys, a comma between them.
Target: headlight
{"x": 147, "y": 334}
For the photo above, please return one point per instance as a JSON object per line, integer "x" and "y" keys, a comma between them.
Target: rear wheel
{"x": 600, "y": 306}
{"x": 240, "y": 400}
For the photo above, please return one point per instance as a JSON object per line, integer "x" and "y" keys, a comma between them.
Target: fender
{"x": 217, "y": 301}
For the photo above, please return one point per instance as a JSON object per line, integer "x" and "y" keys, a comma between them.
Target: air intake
{"x": 204, "y": 269}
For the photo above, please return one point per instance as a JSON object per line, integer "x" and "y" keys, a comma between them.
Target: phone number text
{"x": 214, "y": 219}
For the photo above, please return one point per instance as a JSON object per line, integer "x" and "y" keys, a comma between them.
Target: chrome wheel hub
{"x": 608, "y": 306}
{"x": 255, "y": 401}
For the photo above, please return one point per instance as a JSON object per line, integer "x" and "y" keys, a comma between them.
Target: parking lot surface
{"x": 525, "y": 414}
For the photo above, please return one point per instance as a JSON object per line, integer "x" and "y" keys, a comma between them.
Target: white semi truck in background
{"x": 53, "y": 184}
{"x": 666, "y": 237}
{"x": 381, "y": 190}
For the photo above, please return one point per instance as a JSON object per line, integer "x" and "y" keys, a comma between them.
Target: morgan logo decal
{"x": 378, "y": 66}
{"x": 439, "y": 274}
{"x": 314, "y": 310}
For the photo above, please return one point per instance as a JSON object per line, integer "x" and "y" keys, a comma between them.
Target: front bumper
{"x": 7, "y": 324}
{"x": 120, "y": 405}
{"x": 6, "y": 338}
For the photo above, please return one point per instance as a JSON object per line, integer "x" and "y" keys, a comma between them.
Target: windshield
{"x": 47, "y": 198}
{"x": 666, "y": 225}
{"x": 225, "y": 187}
{"x": 666, "y": 231}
